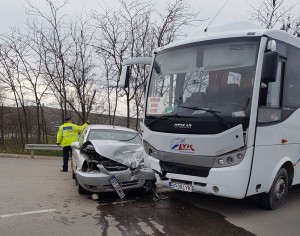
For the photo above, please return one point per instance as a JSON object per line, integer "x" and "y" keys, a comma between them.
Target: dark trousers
{"x": 66, "y": 154}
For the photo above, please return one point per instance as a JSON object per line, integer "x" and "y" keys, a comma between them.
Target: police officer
{"x": 66, "y": 135}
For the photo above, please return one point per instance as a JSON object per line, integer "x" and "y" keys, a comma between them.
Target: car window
{"x": 117, "y": 135}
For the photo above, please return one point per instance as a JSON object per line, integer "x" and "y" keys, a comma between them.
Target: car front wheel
{"x": 82, "y": 190}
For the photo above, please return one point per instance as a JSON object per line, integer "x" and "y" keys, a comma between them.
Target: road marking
{"x": 27, "y": 213}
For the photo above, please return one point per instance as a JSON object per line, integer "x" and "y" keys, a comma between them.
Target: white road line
{"x": 26, "y": 213}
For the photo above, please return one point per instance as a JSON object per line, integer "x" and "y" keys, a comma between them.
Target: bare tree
{"x": 10, "y": 75}
{"x": 133, "y": 31}
{"x": 67, "y": 57}
{"x": 108, "y": 74}
{"x": 27, "y": 48}
{"x": 81, "y": 66}
{"x": 51, "y": 26}
{"x": 71, "y": 62}
{"x": 269, "y": 13}
{"x": 292, "y": 26}
{"x": 177, "y": 15}
{"x": 2, "y": 102}
{"x": 111, "y": 45}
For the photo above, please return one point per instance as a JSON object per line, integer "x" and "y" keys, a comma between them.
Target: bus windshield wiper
{"x": 162, "y": 117}
{"x": 213, "y": 112}
{"x": 199, "y": 109}
{"x": 166, "y": 117}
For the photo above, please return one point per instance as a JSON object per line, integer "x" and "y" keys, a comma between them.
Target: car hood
{"x": 124, "y": 153}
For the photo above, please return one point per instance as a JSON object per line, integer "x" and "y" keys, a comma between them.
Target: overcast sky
{"x": 12, "y": 12}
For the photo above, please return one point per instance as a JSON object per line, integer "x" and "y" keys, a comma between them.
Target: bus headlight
{"x": 221, "y": 162}
{"x": 240, "y": 156}
{"x": 230, "y": 159}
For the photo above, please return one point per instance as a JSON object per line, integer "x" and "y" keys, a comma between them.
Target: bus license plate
{"x": 180, "y": 186}
{"x": 114, "y": 182}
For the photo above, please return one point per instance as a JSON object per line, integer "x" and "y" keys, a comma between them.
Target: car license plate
{"x": 114, "y": 182}
{"x": 180, "y": 186}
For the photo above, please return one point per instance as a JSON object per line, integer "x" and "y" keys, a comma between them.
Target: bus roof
{"x": 235, "y": 30}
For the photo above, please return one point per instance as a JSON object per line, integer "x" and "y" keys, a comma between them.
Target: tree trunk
{"x": 38, "y": 124}
{"x": 44, "y": 125}
{"x": 128, "y": 108}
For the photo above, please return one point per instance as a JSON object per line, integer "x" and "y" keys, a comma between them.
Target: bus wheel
{"x": 278, "y": 192}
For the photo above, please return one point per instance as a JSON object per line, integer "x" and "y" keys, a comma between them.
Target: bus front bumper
{"x": 226, "y": 182}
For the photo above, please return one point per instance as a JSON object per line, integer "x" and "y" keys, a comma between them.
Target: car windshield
{"x": 191, "y": 81}
{"x": 116, "y": 135}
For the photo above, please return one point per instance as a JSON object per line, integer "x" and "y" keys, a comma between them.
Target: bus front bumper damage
{"x": 227, "y": 181}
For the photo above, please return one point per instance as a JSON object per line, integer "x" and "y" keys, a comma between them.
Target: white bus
{"x": 221, "y": 113}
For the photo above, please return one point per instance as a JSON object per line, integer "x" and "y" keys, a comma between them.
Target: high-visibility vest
{"x": 68, "y": 133}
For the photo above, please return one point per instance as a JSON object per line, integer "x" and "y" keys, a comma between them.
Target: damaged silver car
{"x": 110, "y": 158}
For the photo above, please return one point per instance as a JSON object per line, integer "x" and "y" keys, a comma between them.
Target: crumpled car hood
{"x": 124, "y": 153}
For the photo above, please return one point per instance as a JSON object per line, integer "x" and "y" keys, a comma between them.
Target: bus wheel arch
{"x": 290, "y": 171}
{"x": 279, "y": 188}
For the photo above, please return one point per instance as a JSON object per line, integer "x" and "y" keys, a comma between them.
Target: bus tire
{"x": 278, "y": 192}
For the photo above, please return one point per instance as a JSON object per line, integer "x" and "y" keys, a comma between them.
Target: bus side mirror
{"x": 124, "y": 78}
{"x": 269, "y": 70}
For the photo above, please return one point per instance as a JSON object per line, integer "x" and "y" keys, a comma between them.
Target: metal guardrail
{"x": 47, "y": 147}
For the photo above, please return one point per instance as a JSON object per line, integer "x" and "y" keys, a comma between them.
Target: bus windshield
{"x": 206, "y": 83}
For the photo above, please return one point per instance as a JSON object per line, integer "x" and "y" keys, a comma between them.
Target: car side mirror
{"x": 269, "y": 69}
{"x": 124, "y": 77}
{"x": 75, "y": 145}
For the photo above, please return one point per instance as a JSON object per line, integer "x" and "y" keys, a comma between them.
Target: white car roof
{"x": 235, "y": 30}
{"x": 112, "y": 127}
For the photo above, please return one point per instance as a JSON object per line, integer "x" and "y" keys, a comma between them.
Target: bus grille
{"x": 177, "y": 168}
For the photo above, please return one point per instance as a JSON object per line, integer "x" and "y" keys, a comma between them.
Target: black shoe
{"x": 63, "y": 171}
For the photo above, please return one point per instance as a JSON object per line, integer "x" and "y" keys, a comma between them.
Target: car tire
{"x": 82, "y": 190}
{"x": 278, "y": 192}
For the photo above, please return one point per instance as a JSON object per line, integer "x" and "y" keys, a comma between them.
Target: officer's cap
{"x": 68, "y": 118}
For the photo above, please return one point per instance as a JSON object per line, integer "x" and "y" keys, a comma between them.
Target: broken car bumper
{"x": 96, "y": 181}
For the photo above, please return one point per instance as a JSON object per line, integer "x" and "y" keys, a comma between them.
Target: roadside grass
{"x": 45, "y": 153}
{"x": 36, "y": 152}
{"x": 10, "y": 146}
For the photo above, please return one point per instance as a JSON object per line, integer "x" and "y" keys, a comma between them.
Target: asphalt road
{"x": 37, "y": 199}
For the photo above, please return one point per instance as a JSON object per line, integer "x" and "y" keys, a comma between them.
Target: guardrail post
{"x": 32, "y": 153}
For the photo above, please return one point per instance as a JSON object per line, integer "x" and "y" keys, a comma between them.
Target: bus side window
{"x": 270, "y": 100}
{"x": 274, "y": 93}
{"x": 291, "y": 95}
